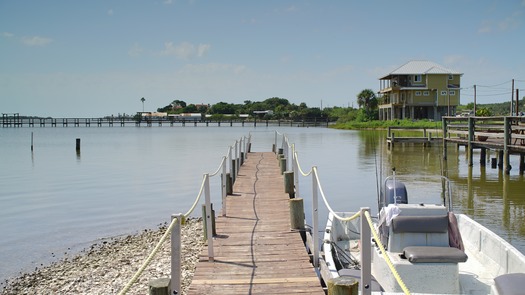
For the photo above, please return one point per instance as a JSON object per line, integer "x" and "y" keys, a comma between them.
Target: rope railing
{"x": 180, "y": 219}
{"x": 385, "y": 256}
{"x": 317, "y": 187}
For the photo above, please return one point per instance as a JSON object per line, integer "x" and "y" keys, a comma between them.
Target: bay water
{"x": 55, "y": 202}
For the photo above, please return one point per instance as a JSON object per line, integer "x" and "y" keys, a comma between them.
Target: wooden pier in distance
{"x": 425, "y": 138}
{"x": 255, "y": 251}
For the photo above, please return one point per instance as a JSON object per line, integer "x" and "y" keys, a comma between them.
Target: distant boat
{"x": 434, "y": 250}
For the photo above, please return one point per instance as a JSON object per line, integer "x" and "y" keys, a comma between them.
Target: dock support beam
{"x": 470, "y": 147}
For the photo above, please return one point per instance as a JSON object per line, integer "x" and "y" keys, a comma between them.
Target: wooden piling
{"x": 204, "y": 224}
{"x": 494, "y": 163}
{"x": 78, "y": 144}
{"x": 229, "y": 184}
{"x": 483, "y": 157}
{"x": 343, "y": 286}
{"x": 296, "y": 213}
{"x": 31, "y": 141}
{"x": 289, "y": 183}
{"x": 160, "y": 286}
{"x": 522, "y": 163}
{"x": 283, "y": 165}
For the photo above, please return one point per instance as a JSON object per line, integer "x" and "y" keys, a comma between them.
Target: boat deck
{"x": 255, "y": 250}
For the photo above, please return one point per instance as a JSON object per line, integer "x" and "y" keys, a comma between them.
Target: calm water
{"x": 55, "y": 202}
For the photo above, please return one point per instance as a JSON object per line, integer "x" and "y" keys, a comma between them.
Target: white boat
{"x": 433, "y": 250}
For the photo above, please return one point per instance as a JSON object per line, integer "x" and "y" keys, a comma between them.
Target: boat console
{"x": 418, "y": 246}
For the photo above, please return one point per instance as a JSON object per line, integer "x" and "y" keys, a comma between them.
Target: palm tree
{"x": 368, "y": 101}
{"x": 143, "y": 100}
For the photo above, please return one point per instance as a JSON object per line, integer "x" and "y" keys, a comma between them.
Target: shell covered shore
{"x": 105, "y": 268}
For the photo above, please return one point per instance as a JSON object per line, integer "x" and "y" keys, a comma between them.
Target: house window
{"x": 443, "y": 92}
{"x": 426, "y": 93}
{"x": 452, "y": 92}
{"x": 451, "y": 77}
{"x": 418, "y": 93}
{"x": 417, "y": 78}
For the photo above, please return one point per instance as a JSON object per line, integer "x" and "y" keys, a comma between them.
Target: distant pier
{"x": 15, "y": 120}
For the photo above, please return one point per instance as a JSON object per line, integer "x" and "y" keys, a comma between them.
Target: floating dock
{"x": 255, "y": 251}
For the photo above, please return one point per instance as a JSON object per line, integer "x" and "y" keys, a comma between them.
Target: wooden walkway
{"x": 255, "y": 250}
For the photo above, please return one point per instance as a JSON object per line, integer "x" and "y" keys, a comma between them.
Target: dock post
{"x": 494, "y": 163}
{"x": 31, "y": 141}
{"x": 343, "y": 286}
{"x": 289, "y": 183}
{"x": 483, "y": 157}
{"x": 315, "y": 217}
{"x": 160, "y": 286}
{"x": 175, "y": 255}
{"x": 78, "y": 144}
{"x": 208, "y": 217}
{"x": 224, "y": 189}
{"x": 296, "y": 213}
{"x": 366, "y": 254}
{"x": 283, "y": 165}
{"x": 500, "y": 159}
{"x": 470, "y": 148}
{"x": 522, "y": 163}
{"x": 506, "y": 143}
{"x": 229, "y": 186}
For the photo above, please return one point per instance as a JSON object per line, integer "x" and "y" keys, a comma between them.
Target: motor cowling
{"x": 395, "y": 192}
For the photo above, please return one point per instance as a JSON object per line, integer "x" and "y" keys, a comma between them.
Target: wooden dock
{"x": 255, "y": 252}
{"x": 424, "y": 137}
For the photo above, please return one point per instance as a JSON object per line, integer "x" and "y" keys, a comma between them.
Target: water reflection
{"x": 488, "y": 195}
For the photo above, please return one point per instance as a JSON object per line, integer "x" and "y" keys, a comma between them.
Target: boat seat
{"x": 510, "y": 284}
{"x": 407, "y": 231}
{"x": 356, "y": 274}
{"x": 429, "y": 254}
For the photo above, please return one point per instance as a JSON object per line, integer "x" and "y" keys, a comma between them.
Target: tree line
{"x": 282, "y": 109}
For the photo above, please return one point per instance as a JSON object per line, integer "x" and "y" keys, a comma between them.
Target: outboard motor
{"x": 393, "y": 192}
{"x": 394, "y": 189}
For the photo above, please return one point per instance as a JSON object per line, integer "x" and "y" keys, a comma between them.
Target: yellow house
{"x": 419, "y": 90}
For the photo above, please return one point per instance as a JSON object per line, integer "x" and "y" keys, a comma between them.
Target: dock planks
{"x": 255, "y": 250}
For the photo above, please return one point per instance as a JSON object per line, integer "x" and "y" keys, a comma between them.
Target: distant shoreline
{"x": 107, "y": 267}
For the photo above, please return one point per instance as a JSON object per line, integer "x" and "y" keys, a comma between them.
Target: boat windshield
{"x": 423, "y": 189}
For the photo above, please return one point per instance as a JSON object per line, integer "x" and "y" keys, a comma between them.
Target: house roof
{"x": 420, "y": 67}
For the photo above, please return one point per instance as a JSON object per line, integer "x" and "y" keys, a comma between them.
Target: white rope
{"x": 223, "y": 162}
{"x": 150, "y": 257}
{"x": 148, "y": 260}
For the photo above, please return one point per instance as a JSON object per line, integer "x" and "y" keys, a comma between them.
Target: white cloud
{"x": 213, "y": 68}
{"x": 168, "y": 2}
{"x": 185, "y": 50}
{"x": 36, "y": 41}
{"x": 202, "y": 49}
{"x": 509, "y": 23}
{"x": 7, "y": 34}
{"x": 135, "y": 50}
{"x": 110, "y": 12}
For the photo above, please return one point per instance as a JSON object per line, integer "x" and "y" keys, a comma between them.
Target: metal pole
{"x": 209, "y": 229}
{"x": 366, "y": 254}
{"x": 315, "y": 217}
{"x": 176, "y": 254}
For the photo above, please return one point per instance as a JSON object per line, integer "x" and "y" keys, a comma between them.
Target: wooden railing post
{"x": 208, "y": 220}
{"x": 315, "y": 217}
{"x": 470, "y": 148}
{"x": 223, "y": 186}
{"x": 176, "y": 254}
{"x": 506, "y": 142}
{"x": 366, "y": 255}
{"x": 445, "y": 135}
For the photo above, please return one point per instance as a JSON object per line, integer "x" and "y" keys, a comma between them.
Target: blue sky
{"x": 96, "y": 58}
